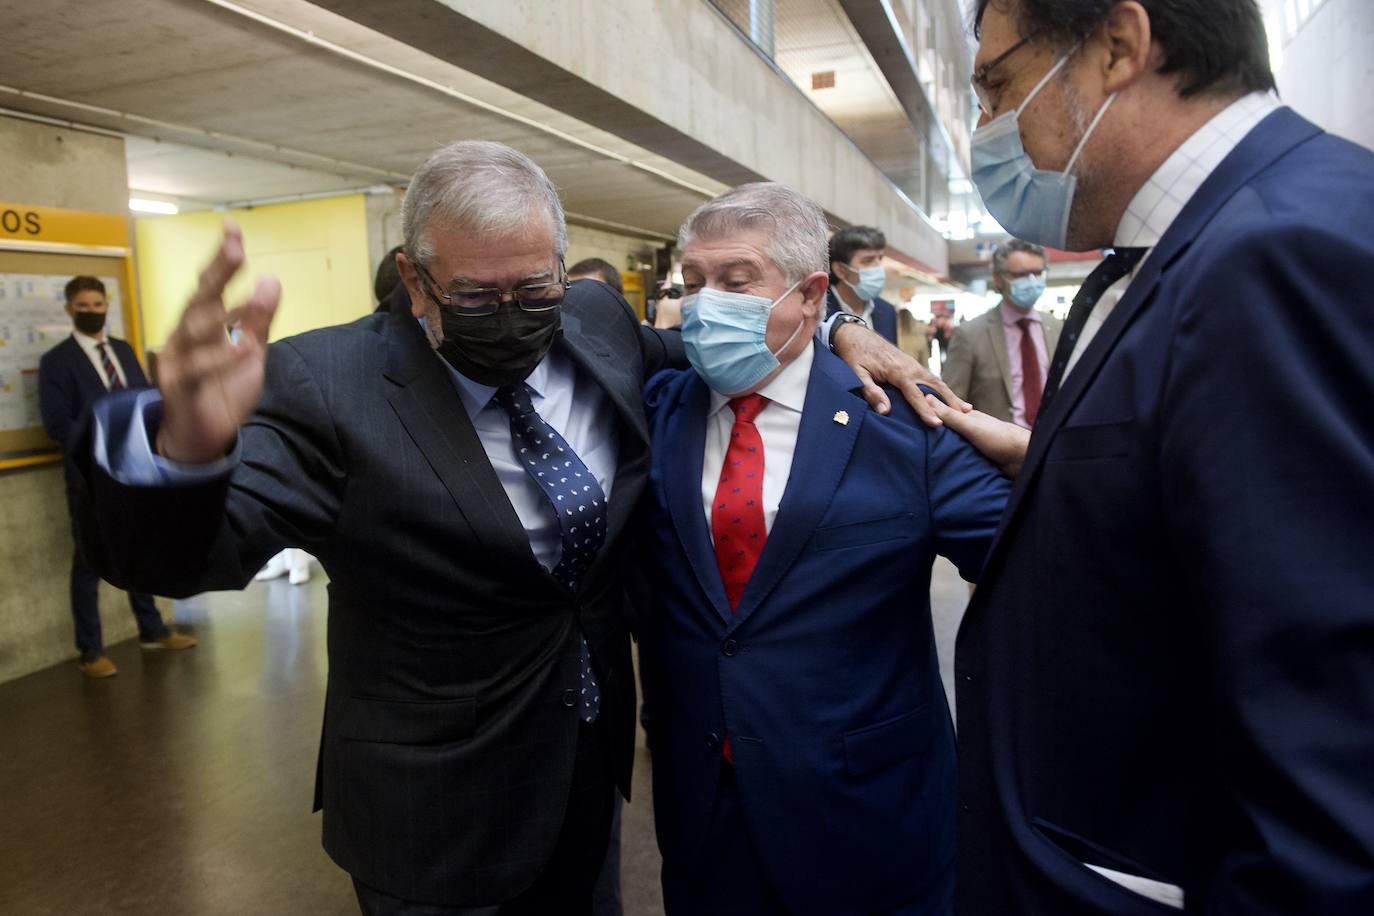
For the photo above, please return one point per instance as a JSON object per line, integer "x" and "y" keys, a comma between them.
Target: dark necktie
{"x": 1031, "y": 382}
{"x": 111, "y": 376}
{"x": 577, "y": 499}
{"x": 1116, "y": 265}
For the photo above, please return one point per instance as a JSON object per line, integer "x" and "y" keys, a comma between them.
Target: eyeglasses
{"x": 484, "y": 301}
{"x": 980, "y": 75}
{"x": 671, "y": 292}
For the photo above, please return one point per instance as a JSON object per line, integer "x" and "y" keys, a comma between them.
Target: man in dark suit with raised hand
{"x": 71, "y": 376}
{"x": 1164, "y": 682}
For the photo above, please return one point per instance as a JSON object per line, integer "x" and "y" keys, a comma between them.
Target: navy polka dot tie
{"x": 576, "y": 498}
{"x": 1117, "y": 264}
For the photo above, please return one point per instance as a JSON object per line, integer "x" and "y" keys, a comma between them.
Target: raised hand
{"x": 209, "y": 384}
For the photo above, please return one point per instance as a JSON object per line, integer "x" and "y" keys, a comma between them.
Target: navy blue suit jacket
{"x": 68, "y": 384}
{"x": 884, "y": 319}
{"x": 1168, "y": 669}
{"x": 825, "y": 677}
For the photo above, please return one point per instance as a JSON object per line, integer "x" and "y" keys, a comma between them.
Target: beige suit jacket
{"x": 978, "y": 368}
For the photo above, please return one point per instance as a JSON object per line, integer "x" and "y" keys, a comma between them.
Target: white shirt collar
{"x": 1160, "y": 200}
{"x": 476, "y": 396}
{"x": 87, "y": 341}
{"x": 788, "y": 387}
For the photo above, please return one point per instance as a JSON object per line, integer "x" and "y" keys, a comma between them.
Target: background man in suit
{"x": 857, "y": 277}
{"x": 803, "y": 754}
{"x": 465, "y": 471}
{"x": 1164, "y": 678}
{"x": 999, "y": 360}
{"x": 70, "y": 377}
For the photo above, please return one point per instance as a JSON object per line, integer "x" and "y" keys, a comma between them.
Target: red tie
{"x": 737, "y": 513}
{"x": 1032, "y": 384}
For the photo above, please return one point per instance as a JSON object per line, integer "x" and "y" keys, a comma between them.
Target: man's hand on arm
{"x": 209, "y": 384}
{"x": 875, "y": 362}
{"x": 1002, "y": 443}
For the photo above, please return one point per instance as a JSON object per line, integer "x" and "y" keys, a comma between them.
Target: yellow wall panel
{"x": 316, "y": 248}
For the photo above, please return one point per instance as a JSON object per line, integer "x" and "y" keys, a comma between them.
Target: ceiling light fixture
{"x": 162, "y": 207}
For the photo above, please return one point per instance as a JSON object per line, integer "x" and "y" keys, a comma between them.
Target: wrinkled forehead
{"x": 730, "y": 249}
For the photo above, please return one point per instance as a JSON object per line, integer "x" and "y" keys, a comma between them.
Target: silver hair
{"x": 481, "y": 187}
{"x": 796, "y": 227}
{"x": 1003, "y": 252}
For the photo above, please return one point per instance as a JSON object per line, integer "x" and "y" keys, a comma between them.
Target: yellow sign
{"x": 27, "y": 223}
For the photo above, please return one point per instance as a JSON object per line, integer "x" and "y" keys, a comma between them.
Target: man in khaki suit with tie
{"x": 998, "y": 361}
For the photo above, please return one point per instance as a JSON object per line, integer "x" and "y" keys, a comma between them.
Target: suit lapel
{"x": 431, "y": 411}
{"x": 997, "y": 337}
{"x": 681, "y": 455}
{"x": 818, "y": 463}
{"x": 1271, "y": 139}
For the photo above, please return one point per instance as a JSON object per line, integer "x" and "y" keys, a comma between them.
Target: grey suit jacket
{"x": 978, "y": 368}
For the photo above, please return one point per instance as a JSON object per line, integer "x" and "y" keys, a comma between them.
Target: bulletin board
{"x": 40, "y": 251}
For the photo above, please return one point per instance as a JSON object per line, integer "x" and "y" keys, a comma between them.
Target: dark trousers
{"x": 565, "y": 886}
{"x": 729, "y": 880}
{"x": 86, "y": 611}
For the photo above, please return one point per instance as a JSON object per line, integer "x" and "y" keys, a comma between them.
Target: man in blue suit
{"x": 857, "y": 276}
{"x": 803, "y": 754}
{"x": 1165, "y": 682}
{"x": 70, "y": 376}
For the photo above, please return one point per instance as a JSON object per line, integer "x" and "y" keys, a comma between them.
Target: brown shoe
{"x": 172, "y": 640}
{"x": 101, "y": 667}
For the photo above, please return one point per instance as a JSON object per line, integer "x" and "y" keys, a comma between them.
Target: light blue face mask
{"x": 1030, "y": 203}
{"x": 725, "y": 338}
{"x": 1025, "y": 291}
{"x": 871, "y": 281}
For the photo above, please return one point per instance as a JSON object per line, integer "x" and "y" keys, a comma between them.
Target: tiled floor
{"x": 183, "y": 786}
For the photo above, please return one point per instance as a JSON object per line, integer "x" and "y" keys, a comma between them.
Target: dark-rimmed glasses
{"x": 481, "y": 302}
{"x": 980, "y": 75}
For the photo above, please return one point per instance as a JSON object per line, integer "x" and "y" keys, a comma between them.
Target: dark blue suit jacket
{"x": 68, "y": 383}
{"x": 825, "y": 677}
{"x": 884, "y": 315}
{"x": 1168, "y": 669}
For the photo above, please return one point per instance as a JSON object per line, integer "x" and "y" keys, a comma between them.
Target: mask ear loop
{"x": 1045, "y": 79}
{"x": 1068, "y": 169}
{"x": 788, "y": 342}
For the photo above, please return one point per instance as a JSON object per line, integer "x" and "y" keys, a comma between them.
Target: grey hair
{"x": 480, "y": 187}
{"x": 796, "y": 227}
{"x": 1003, "y": 252}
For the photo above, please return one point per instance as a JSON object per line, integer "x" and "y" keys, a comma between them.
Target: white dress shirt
{"x": 1160, "y": 200}
{"x": 89, "y": 344}
{"x": 571, "y": 403}
{"x": 778, "y": 425}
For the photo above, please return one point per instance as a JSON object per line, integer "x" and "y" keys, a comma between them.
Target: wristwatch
{"x": 841, "y": 318}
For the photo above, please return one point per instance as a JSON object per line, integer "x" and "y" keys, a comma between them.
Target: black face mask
{"x": 90, "y": 323}
{"x": 500, "y": 349}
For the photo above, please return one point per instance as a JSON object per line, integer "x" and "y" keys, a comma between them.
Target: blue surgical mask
{"x": 1025, "y": 291}
{"x": 871, "y": 281}
{"x": 1030, "y": 203}
{"x": 725, "y": 337}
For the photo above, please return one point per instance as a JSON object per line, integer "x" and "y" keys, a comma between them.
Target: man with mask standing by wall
{"x": 1163, "y": 680}
{"x": 857, "y": 277}
{"x": 999, "y": 360}
{"x": 70, "y": 376}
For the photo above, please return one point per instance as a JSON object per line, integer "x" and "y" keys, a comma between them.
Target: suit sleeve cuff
{"x": 126, "y": 425}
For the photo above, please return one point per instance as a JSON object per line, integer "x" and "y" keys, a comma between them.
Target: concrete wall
{"x": 48, "y": 166}
{"x": 1328, "y": 67}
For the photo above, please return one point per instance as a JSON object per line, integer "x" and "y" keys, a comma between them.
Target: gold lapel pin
{"x": 842, "y": 417}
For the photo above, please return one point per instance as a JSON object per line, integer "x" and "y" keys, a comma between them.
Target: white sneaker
{"x": 300, "y": 575}
{"x": 275, "y": 568}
